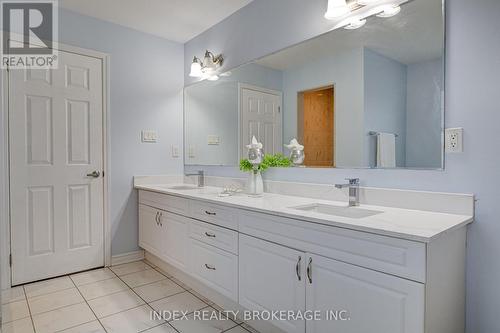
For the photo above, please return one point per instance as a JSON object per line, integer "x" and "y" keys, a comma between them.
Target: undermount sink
{"x": 344, "y": 211}
{"x": 181, "y": 187}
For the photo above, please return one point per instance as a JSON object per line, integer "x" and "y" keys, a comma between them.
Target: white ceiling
{"x": 413, "y": 36}
{"x": 176, "y": 20}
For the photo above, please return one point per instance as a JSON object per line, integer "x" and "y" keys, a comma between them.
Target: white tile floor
{"x": 116, "y": 299}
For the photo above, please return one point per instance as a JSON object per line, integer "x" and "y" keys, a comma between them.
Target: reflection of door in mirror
{"x": 316, "y": 126}
{"x": 260, "y": 116}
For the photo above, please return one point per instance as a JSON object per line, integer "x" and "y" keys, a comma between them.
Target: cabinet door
{"x": 373, "y": 302}
{"x": 150, "y": 235}
{"x": 175, "y": 239}
{"x": 271, "y": 278}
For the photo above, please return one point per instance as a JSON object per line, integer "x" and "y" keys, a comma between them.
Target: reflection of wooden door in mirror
{"x": 316, "y": 126}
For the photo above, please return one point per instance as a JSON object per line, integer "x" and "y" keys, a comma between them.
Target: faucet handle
{"x": 353, "y": 181}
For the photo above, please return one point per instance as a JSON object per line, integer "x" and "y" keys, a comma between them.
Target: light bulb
{"x": 195, "y": 68}
{"x": 355, "y": 23}
{"x": 208, "y": 63}
{"x": 336, "y": 8}
{"x": 388, "y": 10}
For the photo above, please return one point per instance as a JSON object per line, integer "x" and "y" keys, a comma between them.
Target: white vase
{"x": 255, "y": 185}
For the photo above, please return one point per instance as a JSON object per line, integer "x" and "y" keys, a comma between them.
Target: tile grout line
{"x": 98, "y": 320}
{"x": 146, "y": 303}
{"x": 208, "y": 305}
{"x": 184, "y": 287}
{"x": 29, "y": 309}
{"x": 190, "y": 291}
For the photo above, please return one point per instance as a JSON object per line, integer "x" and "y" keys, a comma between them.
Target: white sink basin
{"x": 344, "y": 211}
{"x": 182, "y": 187}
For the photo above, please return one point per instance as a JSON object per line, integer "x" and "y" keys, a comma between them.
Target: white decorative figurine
{"x": 255, "y": 185}
{"x": 296, "y": 152}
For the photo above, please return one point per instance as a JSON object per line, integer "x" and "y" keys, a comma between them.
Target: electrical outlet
{"x": 454, "y": 140}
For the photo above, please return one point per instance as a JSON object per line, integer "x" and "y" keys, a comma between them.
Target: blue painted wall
{"x": 384, "y": 104}
{"x": 211, "y": 108}
{"x": 472, "y": 86}
{"x": 146, "y": 93}
{"x": 425, "y": 86}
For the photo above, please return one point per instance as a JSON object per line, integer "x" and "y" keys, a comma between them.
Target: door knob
{"x": 94, "y": 174}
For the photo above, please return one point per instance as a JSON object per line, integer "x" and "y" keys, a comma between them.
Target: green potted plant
{"x": 255, "y": 185}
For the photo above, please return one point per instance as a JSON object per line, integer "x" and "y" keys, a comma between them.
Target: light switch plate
{"x": 175, "y": 151}
{"x": 149, "y": 136}
{"x": 191, "y": 152}
{"x": 213, "y": 140}
{"x": 454, "y": 140}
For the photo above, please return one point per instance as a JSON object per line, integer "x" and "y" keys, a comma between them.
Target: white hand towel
{"x": 386, "y": 150}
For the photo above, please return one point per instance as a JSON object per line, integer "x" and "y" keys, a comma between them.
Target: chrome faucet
{"x": 201, "y": 177}
{"x": 353, "y": 185}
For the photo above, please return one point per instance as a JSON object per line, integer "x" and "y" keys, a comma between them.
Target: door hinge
{"x": 10, "y": 260}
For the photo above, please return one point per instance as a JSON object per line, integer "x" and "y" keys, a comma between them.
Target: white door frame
{"x": 5, "y": 249}
{"x": 242, "y": 86}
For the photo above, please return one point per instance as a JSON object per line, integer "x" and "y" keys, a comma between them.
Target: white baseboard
{"x": 125, "y": 258}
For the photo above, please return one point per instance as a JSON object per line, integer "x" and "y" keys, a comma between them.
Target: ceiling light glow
{"x": 336, "y": 9}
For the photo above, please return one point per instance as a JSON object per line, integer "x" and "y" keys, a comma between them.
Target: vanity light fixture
{"x": 213, "y": 78}
{"x": 388, "y": 11}
{"x": 206, "y": 67}
{"x": 355, "y": 23}
{"x": 196, "y": 68}
{"x": 336, "y": 8}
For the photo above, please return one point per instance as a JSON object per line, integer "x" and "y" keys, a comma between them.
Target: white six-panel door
{"x": 55, "y": 141}
{"x": 261, "y": 117}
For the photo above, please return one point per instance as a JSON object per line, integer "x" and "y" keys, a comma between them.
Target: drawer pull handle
{"x": 156, "y": 218}
{"x": 159, "y": 219}
{"x": 210, "y": 213}
{"x": 297, "y": 268}
{"x": 209, "y": 234}
{"x": 309, "y": 270}
{"x": 210, "y": 267}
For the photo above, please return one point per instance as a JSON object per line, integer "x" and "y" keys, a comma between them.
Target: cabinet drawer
{"x": 166, "y": 202}
{"x": 222, "y": 238}
{"x": 220, "y": 215}
{"x": 385, "y": 254}
{"x": 216, "y": 268}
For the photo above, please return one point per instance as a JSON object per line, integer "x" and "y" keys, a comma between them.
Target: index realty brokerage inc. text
{"x": 279, "y": 315}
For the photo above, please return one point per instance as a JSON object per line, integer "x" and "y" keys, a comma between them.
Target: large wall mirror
{"x": 372, "y": 97}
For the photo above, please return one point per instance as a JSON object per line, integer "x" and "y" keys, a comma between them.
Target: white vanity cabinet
{"x": 272, "y": 279}
{"x": 353, "y": 299}
{"x": 150, "y": 231}
{"x": 355, "y": 281}
{"x": 348, "y": 298}
{"x": 175, "y": 239}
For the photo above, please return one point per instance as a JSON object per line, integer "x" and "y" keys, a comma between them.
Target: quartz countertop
{"x": 415, "y": 225}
